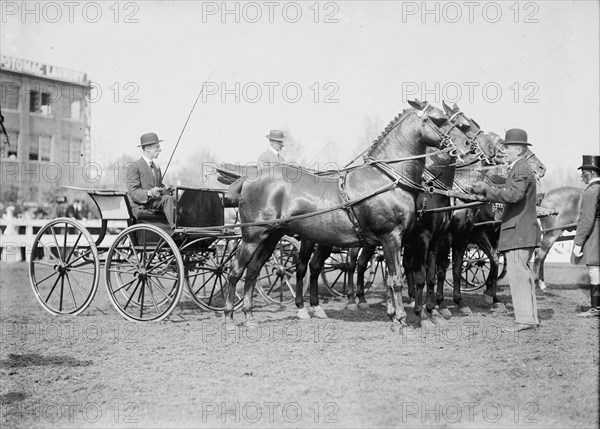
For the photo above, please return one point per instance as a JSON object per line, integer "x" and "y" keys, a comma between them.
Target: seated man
{"x": 144, "y": 181}
{"x": 273, "y": 153}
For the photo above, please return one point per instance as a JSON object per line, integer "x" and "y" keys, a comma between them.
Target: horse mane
{"x": 388, "y": 128}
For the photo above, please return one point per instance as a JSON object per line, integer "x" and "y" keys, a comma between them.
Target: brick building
{"x": 46, "y": 112}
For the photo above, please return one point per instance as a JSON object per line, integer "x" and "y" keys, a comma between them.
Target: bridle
{"x": 445, "y": 139}
{"x": 473, "y": 139}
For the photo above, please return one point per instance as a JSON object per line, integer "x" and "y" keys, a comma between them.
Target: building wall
{"x": 48, "y": 123}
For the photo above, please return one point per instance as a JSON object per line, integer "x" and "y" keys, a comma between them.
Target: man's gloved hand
{"x": 154, "y": 192}
{"x": 479, "y": 187}
{"x": 577, "y": 251}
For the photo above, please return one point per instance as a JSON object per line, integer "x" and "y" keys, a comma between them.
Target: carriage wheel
{"x": 277, "y": 279}
{"x": 475, "y": 268}
{"x": 501, "y": 266}
{"x": 376, "y": 265}
{"x": 207, "y": 264}
{"x": 64, "y": 269}
{"x": 336, "y": 271}
{"x": 144, "y": 273}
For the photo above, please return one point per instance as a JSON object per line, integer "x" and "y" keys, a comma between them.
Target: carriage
{"x": 147, "y": 266}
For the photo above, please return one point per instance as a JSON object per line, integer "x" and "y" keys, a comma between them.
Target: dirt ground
{"x": 98, "y": 370}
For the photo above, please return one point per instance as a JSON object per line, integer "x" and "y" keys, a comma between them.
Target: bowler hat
{"x": 275, "y": 135}
{"x": 590, "y": 162}
{"x": 516, "y": 136}
{"x": 149, "y": 138}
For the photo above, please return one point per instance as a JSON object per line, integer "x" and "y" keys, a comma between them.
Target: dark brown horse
{"x": 443, "y": 165}
{"x": 373, "y": 203}
{"x": 567, "y": 202}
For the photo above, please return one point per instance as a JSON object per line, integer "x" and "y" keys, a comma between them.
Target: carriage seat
{"x": 154, "y": 217}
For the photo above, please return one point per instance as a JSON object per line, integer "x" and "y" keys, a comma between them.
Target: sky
{"x": 331, "y": 74}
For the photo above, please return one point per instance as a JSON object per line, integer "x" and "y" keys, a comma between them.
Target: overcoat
{"x": 520, "y": 228}
{"x": 588, "y": 225}
{"x": 139, "y": 180}
{"x": 268, "y": 157}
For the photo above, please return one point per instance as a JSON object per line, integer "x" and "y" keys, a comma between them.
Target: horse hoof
{"x": 320, "y": 313}
{"x": 542, "y": 285}
{"x": 489, "y": 300}
{"x": 303, "y": 313}
{"x": 465, "y": 311}
{"x": 363, "y": 305}
{"x": 351, "y": 307}
{"x": 230, "y": 327}
{"x": 396, "y": 328}
{"x": 439, "y": 321}
{"x": 445, "y": 313}
{"x": 499, "y": 307}
{"x": 427, "y": 325}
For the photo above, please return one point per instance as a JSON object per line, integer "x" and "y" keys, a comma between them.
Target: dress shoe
{"x": 592, "y": 312}
{"x": 518, "y": 327}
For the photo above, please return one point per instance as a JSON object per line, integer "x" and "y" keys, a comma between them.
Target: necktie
{"x": 154, "y": 173}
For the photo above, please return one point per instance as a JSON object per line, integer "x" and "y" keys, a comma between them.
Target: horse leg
{"x": 420, "y": 247}
{"x": 306, "y": 249}
{"x": 443, "y": 261}
{"x": 243, "y": 257}
{"x": 548, "y": 241}
{"x": 431, "y": 273}
{"x": 489, "y": 295}
{"x": 317, "y": 263}
{"x": 262, "y": 253}
{"x": 458, "y": 255}
{"x": 407, "y": 264}
{"x": 351, "y": 293}
{"x": 364, "y": 258}
{"x": 392, "y": 247}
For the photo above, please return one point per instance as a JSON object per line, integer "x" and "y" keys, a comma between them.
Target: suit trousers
{"x": 522, "y": 284}
{"x": 166, "y": 203}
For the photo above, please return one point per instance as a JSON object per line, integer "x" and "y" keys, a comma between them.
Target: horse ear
{"x": 416, "y": 104}
{"x": 447, "y": 108}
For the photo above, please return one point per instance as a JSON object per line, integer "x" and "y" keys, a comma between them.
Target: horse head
{"x": 536, "y": 165}
{"x": 438, "y": 131}
{"x": 481, "y": 143}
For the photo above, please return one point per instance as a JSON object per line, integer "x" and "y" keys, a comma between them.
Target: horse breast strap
{"x": 349, "y": 208}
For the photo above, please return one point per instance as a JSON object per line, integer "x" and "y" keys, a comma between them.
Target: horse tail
{"x": 539, "y": 197}
{"x": 232, "y": 196}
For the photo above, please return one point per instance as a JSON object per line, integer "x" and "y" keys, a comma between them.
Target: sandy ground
{"x": 98, "y": 370}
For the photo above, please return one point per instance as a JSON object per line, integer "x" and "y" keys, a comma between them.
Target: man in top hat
{"x": 520, "y": 232}
{"x": 586, "y": 246}
{"x": 144, "y": 181}
{"x": 273, "y": 154}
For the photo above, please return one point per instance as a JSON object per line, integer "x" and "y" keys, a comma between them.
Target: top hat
{"x": 590, "y": 162}
{"x": 516, "y": 136}
{"x": 276, "y": 135}
{"x": 149, "y": 138}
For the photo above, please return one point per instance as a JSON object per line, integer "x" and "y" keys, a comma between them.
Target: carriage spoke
{"x": 79, "y": 284}
{"x": 125, "y": 286}
{"x": 52, "y": 289}
{"x": 71, "y": 290}
{"x": 57, "y": 245}
{"x": 46, "y": 278}
{"x": 132, "y": 294}
{"x": 73, "y": 248}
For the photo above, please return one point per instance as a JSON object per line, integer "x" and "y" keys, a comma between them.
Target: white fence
{"x": 16, "y": 245}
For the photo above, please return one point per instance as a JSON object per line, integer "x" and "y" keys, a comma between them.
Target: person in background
{"x": 273, "y": 153}
{"x": 586, "y": 245}
{"x": 520, "y": 232}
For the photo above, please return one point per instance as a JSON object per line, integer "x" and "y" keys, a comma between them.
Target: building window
{"x": 10, "y": 95}
{"x": 8, "y": 145}
{"x": 76, "y": 110}
{"x": 74, "y": 150}
{"x": 40, "y": 150}
{"x": 40, "y": 103}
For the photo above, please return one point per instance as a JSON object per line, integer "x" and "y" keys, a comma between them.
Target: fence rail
{"x": 17, "y": 235}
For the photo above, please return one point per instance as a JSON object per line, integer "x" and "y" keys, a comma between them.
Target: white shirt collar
{"x": 148, "y": 160}
{"x": 512, "y": 164}
{"x": 595, "y": 179}
{"x": 273, "y": 150}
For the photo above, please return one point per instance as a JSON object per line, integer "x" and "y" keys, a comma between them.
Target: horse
{"x": 567, "y": 202}
{"x": 371, "y": 203}
{"x": 428, "y": 245}
{"x": 484, "y": 149}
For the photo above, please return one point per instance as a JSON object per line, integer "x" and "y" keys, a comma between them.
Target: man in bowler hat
{"x": 520, "y": 232}
{"x": 586, "y": 245}
{"x": 144, "y": 181}
{"x": 273, "y": 154}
